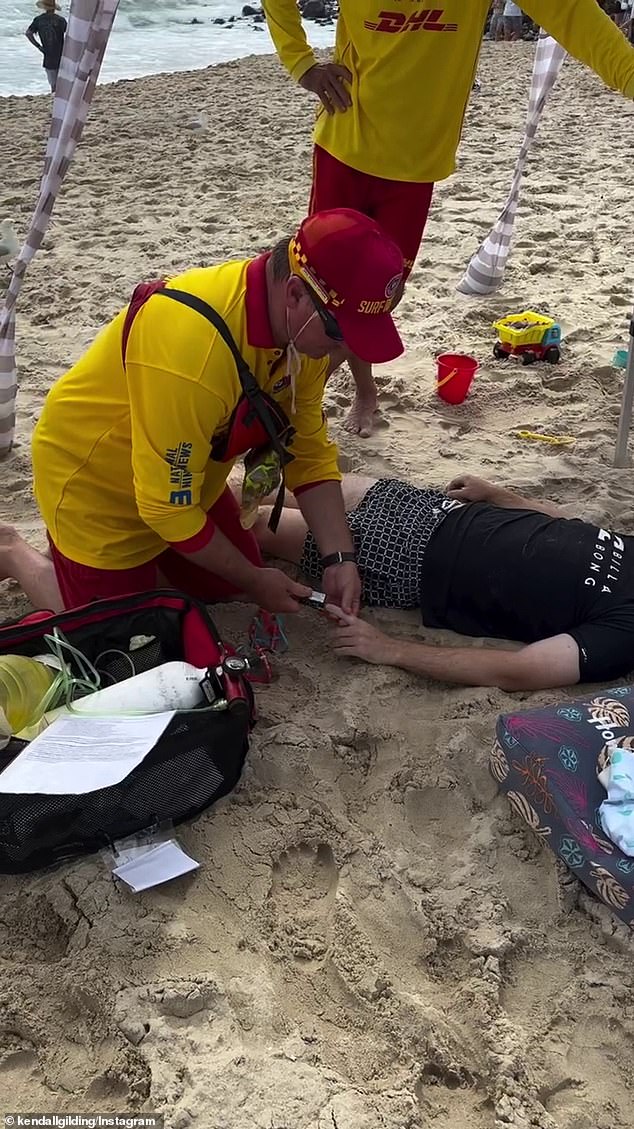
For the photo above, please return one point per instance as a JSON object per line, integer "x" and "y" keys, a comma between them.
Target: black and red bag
{"x": 198, "y": 759}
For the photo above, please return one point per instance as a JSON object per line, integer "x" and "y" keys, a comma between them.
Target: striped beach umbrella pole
{"x": 485, "y": 272}
{"x": 89, "y": 26}
{"x": 627, "y": 403}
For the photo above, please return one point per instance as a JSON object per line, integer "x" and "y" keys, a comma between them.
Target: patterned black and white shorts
{"x": 391, "y": 529}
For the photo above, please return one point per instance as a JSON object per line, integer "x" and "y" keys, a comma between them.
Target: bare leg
{"x": 287, "y": 543}
{"x": 354, "y": 488}
{"x": 360, "y": 419}
{"x": 33, "y": 570}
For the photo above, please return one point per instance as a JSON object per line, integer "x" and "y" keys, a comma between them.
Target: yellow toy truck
{"x": 531, "y": 336}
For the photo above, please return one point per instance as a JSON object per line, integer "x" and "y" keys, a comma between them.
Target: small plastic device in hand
{"x": 316, "y": 600}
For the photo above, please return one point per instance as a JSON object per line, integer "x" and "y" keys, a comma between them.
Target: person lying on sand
{"x": 135, "y": 442}
{"x": 393, "y": 103}
{"x": 482, "y": 561}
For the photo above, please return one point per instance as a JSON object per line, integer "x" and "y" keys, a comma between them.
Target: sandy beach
{"x": 373, "y": 940}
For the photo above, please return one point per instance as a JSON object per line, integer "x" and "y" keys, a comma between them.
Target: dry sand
{"x": 373, "y": 941}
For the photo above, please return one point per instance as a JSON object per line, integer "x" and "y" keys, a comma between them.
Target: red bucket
{"x": 454, "y": 374}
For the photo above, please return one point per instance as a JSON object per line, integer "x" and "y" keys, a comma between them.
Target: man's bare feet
{"x": 360, "y": 419}
{"x": 9, "y": 541}
{"x": 34, "y": 571}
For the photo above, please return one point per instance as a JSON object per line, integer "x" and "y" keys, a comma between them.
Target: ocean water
{"x": 148, "y": 36}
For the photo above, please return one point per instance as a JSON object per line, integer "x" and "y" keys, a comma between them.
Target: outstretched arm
{"x": 470, "y": 488}
{"x": 539, "y": 666}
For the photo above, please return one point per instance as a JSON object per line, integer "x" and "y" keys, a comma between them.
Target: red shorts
{"x": 80, "y": 584}
{"x": 399, "y": 206}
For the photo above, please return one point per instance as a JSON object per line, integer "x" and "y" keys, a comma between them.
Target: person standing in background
{"x": 393, "y": 101}
{"x": 512, "y": 21}
{"x": 50, "y": 29}
{"x": 612, "y": 8}
{"x": 627, "y": 15}
{"x": 496, "y": 27}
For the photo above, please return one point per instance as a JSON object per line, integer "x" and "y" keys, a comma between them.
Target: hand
{"x": 355, "y": 638}
{"x": 469, "y": 488}
{"x": 274, "y": 591}
{"x": 342, "y": 585}
{"x": 326, "y": 80}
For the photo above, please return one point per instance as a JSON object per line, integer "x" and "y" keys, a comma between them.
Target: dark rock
{"x": 195, "y": 21}
{"x": 219, "y": 20}
{"x": 314, "y": 9}
{"x": 249, "y": 11}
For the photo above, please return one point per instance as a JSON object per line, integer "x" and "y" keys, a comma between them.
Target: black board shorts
{"x": 391, "y": 528}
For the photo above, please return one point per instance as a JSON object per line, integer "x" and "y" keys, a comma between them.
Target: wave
{"x": 148, "y": 37}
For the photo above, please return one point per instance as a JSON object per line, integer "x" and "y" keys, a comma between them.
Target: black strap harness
{"x": 255, "y": 396}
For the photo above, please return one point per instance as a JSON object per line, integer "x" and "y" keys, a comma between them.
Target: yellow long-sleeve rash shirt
{"x": 413, "y": 67}
{"x": 121, "y": 456}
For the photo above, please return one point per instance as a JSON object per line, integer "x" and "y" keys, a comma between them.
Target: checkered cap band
{"x": 299, "y": 264}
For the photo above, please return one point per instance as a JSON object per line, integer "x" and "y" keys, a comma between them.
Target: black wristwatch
{"x": 337, "y": 558}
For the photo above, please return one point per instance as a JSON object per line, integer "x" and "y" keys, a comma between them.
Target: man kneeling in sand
{"x": 135, "y": 443}
{"x": 482, "y": 561}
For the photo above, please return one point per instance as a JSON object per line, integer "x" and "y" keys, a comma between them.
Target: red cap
{"x": 355, "y": 270}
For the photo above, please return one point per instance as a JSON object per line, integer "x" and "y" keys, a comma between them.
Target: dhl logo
{"x": 428, "y": 19}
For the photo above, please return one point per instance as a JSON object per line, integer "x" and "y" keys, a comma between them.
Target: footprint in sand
{"x": 303, "y": 891}
{"x": 449, "y": 1094}
{"x": 560, "y": 382}
{"x": 437, "y": 816}
{"x": 31, "y": 929}
{"x": 588, "y": 1072}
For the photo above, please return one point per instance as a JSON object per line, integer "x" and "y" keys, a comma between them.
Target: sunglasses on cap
{"x": 328, "y": 320}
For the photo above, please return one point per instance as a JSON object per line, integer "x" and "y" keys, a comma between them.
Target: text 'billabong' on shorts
{"x": 391, "y": 529}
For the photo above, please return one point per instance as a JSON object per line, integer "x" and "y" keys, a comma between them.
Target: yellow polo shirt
{"x": 121, "y": 457}
{"x": 413, "y": 67}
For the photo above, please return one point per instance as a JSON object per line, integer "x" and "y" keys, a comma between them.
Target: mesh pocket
{"x": 198, "y": 759}
{"x": 116, "y": 666}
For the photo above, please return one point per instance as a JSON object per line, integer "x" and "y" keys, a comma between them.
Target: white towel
{"x": 617, "y": 812}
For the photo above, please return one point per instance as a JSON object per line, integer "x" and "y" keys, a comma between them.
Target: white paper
{"x": 151, "y": 866}
{"x": 81, "y": 754}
